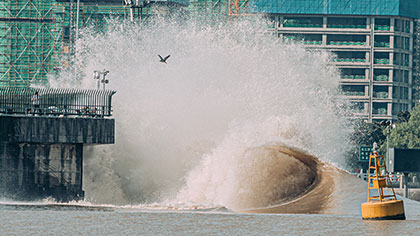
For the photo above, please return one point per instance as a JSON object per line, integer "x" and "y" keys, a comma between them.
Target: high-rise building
{"x": 374, "y": 41}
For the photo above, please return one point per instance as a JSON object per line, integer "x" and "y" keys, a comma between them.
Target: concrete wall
{"x": 35, "y": 171}
{"x": 28, "y": 129}
{"x": 43, "y": 156}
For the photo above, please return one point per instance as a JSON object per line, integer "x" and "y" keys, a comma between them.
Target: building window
{"x": 353, "y": 90}
{"x": 305, "y": 22}
{"x": 341, "y": 22}
{"x": 405, "y": 76}
{"x": 380, "y": 75}
{"x": 406, "y": 43}
{"x": 397, "y": 42}
{"x": 382, "y": 24}
{"x": 397, "y": 25}
{"x": 380, "y": 108}
{"x": 381, "y": 58}
{"x": 346, "y": 40}
{"x": 315, "y": 39}
{"x": 382, "y": 41}
{"x": 397, "y": 76}
{"x": 350, "y": 57}
{"x": 353, "y": 73}
{"x": 407, "y": 26}
{"x": 405, "y": 93}
{"x": 380, "y": 92}
{"x": 406, "y": 60}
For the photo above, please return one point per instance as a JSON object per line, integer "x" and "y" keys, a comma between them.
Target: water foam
{"x": 184, "y": 129}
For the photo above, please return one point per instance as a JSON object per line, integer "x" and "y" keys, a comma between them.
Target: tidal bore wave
{"x": 297, "y": 182}
{"x": 275, "y": 178}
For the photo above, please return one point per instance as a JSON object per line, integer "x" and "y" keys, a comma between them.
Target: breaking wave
{"x": 234, "y": 119}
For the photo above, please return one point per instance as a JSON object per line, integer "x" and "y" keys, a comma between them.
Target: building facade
{"x": 373, "y": 41}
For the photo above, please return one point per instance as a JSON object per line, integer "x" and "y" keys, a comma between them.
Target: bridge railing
{"x": 56, "y": 102}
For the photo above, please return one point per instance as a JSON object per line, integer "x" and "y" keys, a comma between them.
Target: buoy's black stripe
{"x": 395, "y": 217}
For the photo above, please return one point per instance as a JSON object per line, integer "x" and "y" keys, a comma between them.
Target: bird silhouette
{"x": 163, "y": 60}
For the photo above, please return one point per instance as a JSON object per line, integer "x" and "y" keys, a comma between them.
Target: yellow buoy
{"x": 380, "y": 206}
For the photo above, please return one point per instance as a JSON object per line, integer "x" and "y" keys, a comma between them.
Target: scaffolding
{"x": 30, "y": 36}
{"x": 238, "y": 7}
{"x": 214, "y": 8}
{"x": 37, "y": 36}
{"x": 219, "y": 8}
{"x": 416, "y": 61}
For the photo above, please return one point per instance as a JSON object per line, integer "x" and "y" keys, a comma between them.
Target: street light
{"x": 97, "y": 75}
{"x": 388, "y": 125}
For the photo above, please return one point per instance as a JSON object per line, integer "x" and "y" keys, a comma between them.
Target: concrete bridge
{"x": 41, "y": 150}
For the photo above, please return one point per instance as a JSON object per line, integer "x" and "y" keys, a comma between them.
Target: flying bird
{"x": 163, "y": 60}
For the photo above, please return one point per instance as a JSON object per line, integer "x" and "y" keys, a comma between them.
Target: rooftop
{"x": 407, "y": 8}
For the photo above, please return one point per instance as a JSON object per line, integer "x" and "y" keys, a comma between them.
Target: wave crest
{"x": 264, "y": 176}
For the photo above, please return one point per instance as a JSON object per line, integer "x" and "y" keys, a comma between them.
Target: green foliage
{"x": 364, "y": 134}
{"x": 403, "y": 116}
{"x": 368, "y": 133}
{"x": 407, "y": 134}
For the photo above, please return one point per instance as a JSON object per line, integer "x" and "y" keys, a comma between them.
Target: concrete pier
{"x": 43, "y": 156}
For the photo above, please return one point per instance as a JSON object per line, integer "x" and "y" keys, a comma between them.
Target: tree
{"x": 403, "y": 116}
{"x": 368, "y": 133}
{"x": 364, "y": 134}
{"x": 407, "y": 134}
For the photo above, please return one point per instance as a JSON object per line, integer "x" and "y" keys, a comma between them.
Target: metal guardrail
{"x": 57, "y": 102}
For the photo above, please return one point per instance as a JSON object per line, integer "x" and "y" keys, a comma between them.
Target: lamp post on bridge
{"x": 388, "y": 124}
{"x": 97, "y": 75}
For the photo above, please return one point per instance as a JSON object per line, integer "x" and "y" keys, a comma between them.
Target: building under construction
{"x": 37, "y": 36}
{"x": 30, "y": 36}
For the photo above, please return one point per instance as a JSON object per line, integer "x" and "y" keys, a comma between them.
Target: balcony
{"x": 382, "y": 61}
{"x": 380, "y": 78}
{"x": 380, "y": 94}
{"x": 361, "y": 77}
{"x": 302, "y": 25}
{"x": 382, "y": 44}
{"x": 350, "y": 60}
{"x": 382, "y": 27}
{"x": 380, "y": 111}
{"x": 309, "y": 42}
{"x": 347, "y": 26}
{"x": 346, "y": 43}
{"x": 354, "y": 93}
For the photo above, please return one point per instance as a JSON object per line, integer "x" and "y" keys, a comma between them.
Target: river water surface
{"x": 50, "y": 219}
